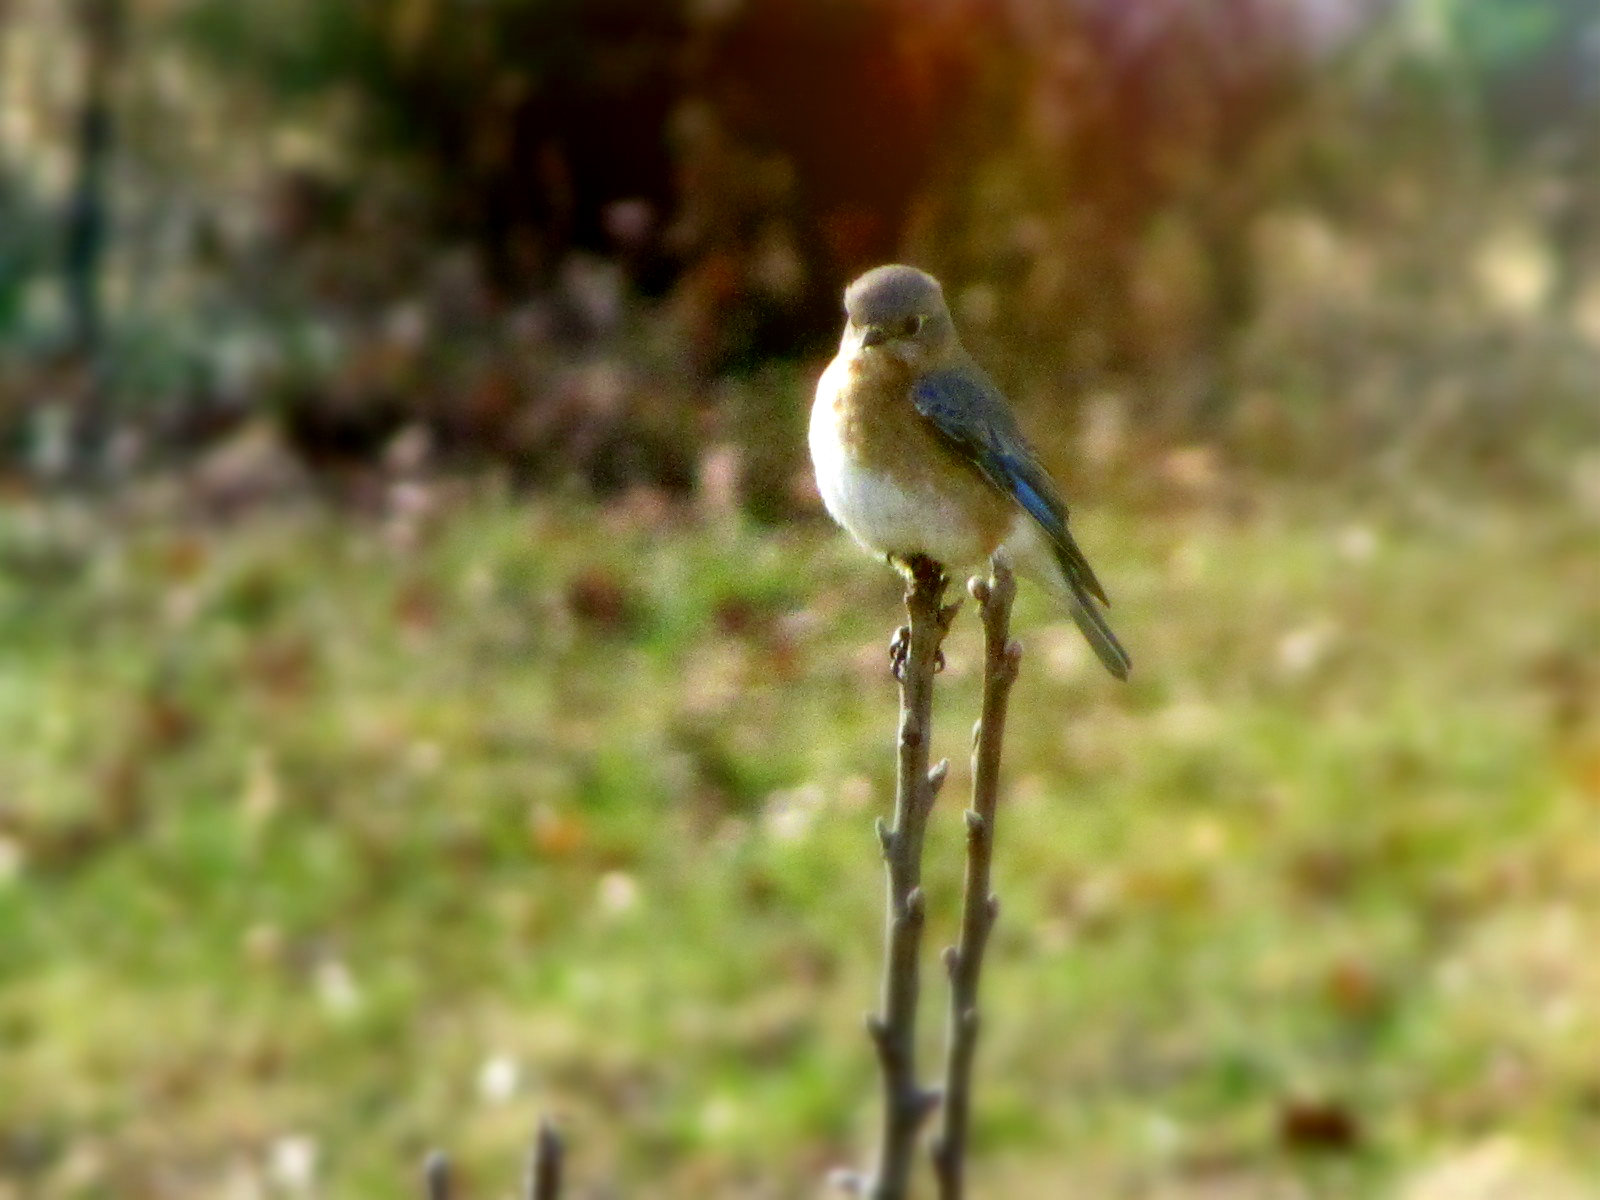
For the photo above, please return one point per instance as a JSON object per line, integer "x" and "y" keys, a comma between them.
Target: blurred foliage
{"x": 324, "y": 840}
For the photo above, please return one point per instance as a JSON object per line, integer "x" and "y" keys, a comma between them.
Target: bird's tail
{"x": 1091, "y": 622}
{"x": 1030, "y": 552}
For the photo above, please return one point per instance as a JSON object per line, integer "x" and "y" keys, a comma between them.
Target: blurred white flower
{"x": 498, "y": 1079}
{"x": 1302, "y": 650}
{"x": 618, "y": 893}
{"x": 292, "y": 1163}
{"x": 336, "y": 988}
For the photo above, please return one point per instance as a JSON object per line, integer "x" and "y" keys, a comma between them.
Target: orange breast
{"x": 882, "y": 430}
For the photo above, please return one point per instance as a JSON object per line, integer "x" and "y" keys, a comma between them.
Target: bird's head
{"x": 898, "y": 311}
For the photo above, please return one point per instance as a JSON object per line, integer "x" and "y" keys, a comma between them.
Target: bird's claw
{"x": 900, "y": 654}
{"x": 899, "y": 651}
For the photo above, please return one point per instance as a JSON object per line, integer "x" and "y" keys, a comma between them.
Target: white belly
{"x": 874, "y": 509}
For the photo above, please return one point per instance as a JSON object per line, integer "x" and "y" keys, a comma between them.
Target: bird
{"x": 917, "y": 454}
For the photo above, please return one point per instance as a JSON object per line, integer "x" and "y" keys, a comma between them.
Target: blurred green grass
{"x": 324, "y": 841}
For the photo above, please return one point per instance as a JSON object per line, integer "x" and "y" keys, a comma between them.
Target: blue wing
{"x": 971, "y": 415}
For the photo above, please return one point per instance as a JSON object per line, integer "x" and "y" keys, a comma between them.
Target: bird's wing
{"x": 971, "y": 415}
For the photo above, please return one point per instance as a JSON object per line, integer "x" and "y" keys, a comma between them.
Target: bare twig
{"x": 436, "y": 1176}
{"x": 542, "y": 1182}
{"x": 980, "y": 907}
{"x": 544, "y": 1164}
{"x": 906, "y": 1103}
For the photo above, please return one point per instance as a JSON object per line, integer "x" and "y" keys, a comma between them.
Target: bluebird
{"x": 917, "y": 454}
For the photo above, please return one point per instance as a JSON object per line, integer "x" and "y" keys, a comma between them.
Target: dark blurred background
{"x": 431, "y": 694}
{"x": 589, "y": 238}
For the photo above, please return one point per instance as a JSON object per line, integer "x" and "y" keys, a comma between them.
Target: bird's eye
{"x": 913, "y": 326}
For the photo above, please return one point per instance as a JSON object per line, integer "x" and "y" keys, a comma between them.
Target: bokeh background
{"x": 431, "y": 695}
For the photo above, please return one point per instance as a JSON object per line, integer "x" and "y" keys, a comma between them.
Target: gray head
{"x": 900, "y": 310}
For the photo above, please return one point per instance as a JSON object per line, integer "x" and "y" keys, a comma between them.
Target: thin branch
{"x": 436, "y": 1176}
{"x": 542, "y": 1181}
{"x": 980, "y": 907}
{"x": 906, "y": 1103}
{"x": 544, "y": 1164}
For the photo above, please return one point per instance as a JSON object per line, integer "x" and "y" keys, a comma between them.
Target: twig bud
{"x": 916, "y": 905}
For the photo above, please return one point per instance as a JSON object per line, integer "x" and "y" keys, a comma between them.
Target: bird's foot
{"x": 922, "y": 575}
{"x": 920, "y": 570}
{"x": 899, "y": 651}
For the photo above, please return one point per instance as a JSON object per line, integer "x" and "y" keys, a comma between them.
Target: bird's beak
{"x": 874, "y": 335}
